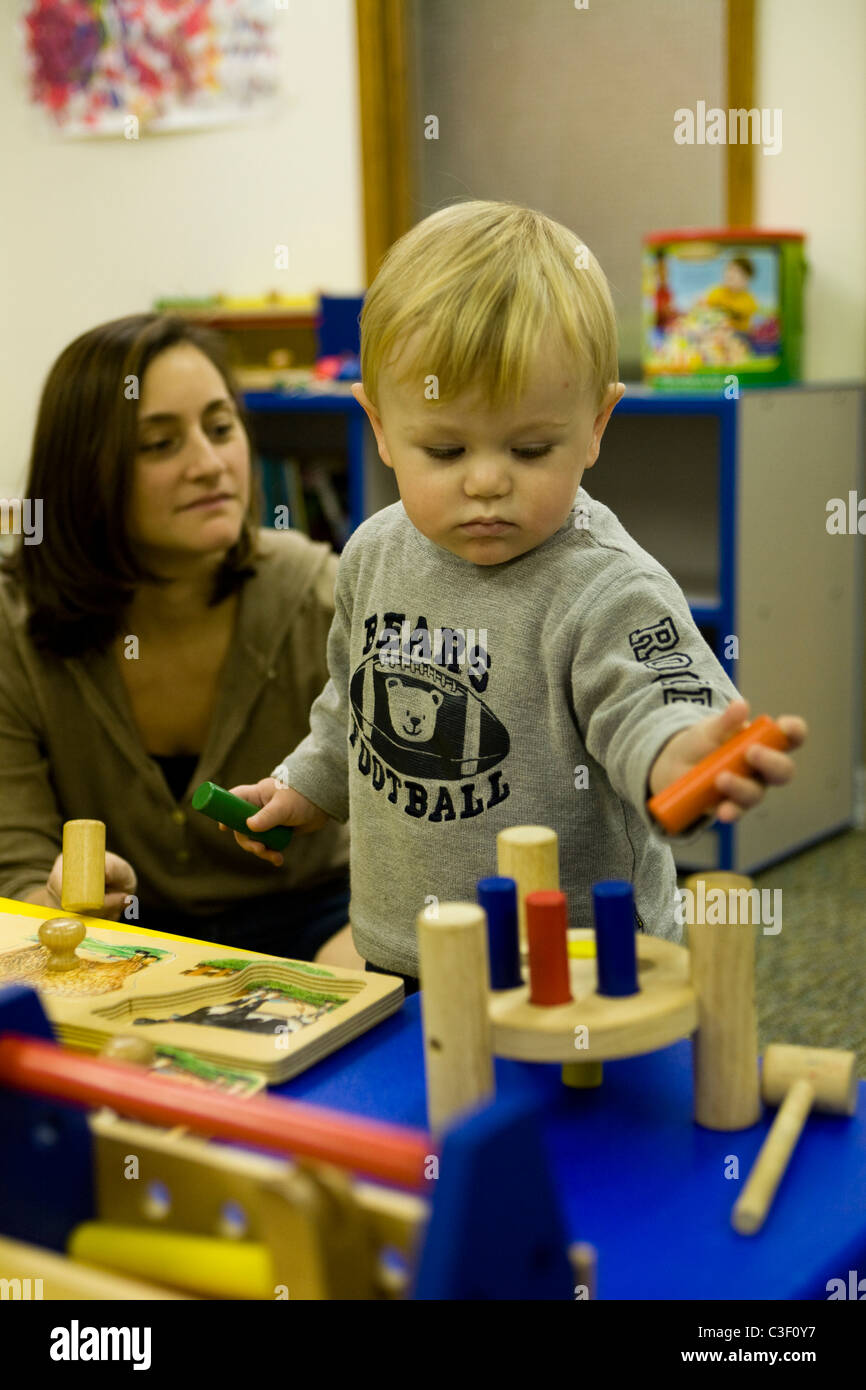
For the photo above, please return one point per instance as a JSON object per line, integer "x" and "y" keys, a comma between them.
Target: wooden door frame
{"x": 384, "y": 76}
{"x": 385, "y": 46}
{"x": 740, "y": 181}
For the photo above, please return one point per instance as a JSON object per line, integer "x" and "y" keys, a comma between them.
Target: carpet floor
{"x": 811, "y": 975}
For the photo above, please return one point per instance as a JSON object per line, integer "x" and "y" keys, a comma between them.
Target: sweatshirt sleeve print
{"x": 641, "y": 673}
{"x": 318, "y": 768}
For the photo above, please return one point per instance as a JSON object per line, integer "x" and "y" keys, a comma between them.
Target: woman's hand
{"x": 280, "y": 806}
{"x": 120, "y": 882}
{"x": 771, "y": 768}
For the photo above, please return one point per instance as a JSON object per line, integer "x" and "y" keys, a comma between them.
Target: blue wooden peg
{"x": 498, "y": 897}
{"x": 616, "y": 949}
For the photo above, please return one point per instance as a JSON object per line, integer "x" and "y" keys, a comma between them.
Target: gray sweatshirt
{"x": 464, "y": 698}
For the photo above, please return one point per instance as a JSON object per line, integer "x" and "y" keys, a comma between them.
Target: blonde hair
{"x": 481, "y": 284}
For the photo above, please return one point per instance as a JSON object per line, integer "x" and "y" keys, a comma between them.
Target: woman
{"x": 157, "y": 638}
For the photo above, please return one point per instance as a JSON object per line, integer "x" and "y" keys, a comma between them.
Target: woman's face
{"x": 191, "y": 481}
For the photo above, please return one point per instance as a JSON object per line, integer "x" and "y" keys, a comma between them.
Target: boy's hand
{"x": 771, "y": 767}
{"x": 280, "y": 806}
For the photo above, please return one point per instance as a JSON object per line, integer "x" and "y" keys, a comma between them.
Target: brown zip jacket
{"x": 69, "y": 747}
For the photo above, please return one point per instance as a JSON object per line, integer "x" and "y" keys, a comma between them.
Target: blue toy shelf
{"x": 731, "y": 496}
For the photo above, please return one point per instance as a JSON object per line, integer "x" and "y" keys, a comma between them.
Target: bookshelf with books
{"x": 317, "y": 459}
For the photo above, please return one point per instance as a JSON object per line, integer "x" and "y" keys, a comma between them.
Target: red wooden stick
{"x": 391, "y": 1153}
{"x": 694, "y": 794}
{"x": 546, "y": 931}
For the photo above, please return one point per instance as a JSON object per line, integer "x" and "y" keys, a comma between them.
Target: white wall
{"x": 811, "y": 63}
{"x": 94, "y": 229}
{"x": 90, "y": 230}
{"x": 572, "y": 111}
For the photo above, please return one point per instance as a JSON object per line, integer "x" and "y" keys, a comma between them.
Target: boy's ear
{"x": 375, "y": 420}
{"x": 615, "y": 393}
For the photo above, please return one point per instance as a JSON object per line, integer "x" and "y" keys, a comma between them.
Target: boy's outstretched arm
{"x": 772, "y": 768}
{"x": 652, "y": 699}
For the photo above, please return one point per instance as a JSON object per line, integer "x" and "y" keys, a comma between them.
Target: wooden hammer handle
{"x": 751, "y": 1208}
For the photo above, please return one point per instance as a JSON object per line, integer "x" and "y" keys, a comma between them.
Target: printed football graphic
{"x": 425, "y": 722}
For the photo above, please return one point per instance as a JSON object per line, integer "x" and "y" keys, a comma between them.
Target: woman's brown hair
{"x": 83, "y": 574}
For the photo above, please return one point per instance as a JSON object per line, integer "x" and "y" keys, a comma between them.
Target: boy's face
{"x": 459, "y": 464}
{"x": 735, "y": 277}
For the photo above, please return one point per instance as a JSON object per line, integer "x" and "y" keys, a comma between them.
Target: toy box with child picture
{"x": 722, "y": 303}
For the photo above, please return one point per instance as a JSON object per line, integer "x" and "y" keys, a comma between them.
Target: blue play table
{"x": 637, "y": 1178}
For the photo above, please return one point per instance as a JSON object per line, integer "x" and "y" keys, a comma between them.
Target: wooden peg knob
{"x": 123, "y": 1047}
{"x": 61, "y": 935}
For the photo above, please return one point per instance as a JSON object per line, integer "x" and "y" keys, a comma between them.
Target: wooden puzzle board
{"x": 227, "y": 1006}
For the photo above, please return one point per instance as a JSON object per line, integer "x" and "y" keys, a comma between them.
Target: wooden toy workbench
{"x": 634, "y": 1175}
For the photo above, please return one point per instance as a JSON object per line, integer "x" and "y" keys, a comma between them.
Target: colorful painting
{"x": 105, "y": 67}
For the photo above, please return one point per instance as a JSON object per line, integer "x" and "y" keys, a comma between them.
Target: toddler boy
{"x": 502, "y": 651}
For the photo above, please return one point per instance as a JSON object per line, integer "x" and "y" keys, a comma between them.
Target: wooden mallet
{"x": 798, "y": 1079}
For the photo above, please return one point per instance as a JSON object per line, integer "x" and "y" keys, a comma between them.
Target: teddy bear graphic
{"x": 412, "y": 711}
{"x": 424, "y": 723}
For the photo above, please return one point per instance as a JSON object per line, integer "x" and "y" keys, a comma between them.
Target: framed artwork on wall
{"x": 123, "y": 67}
